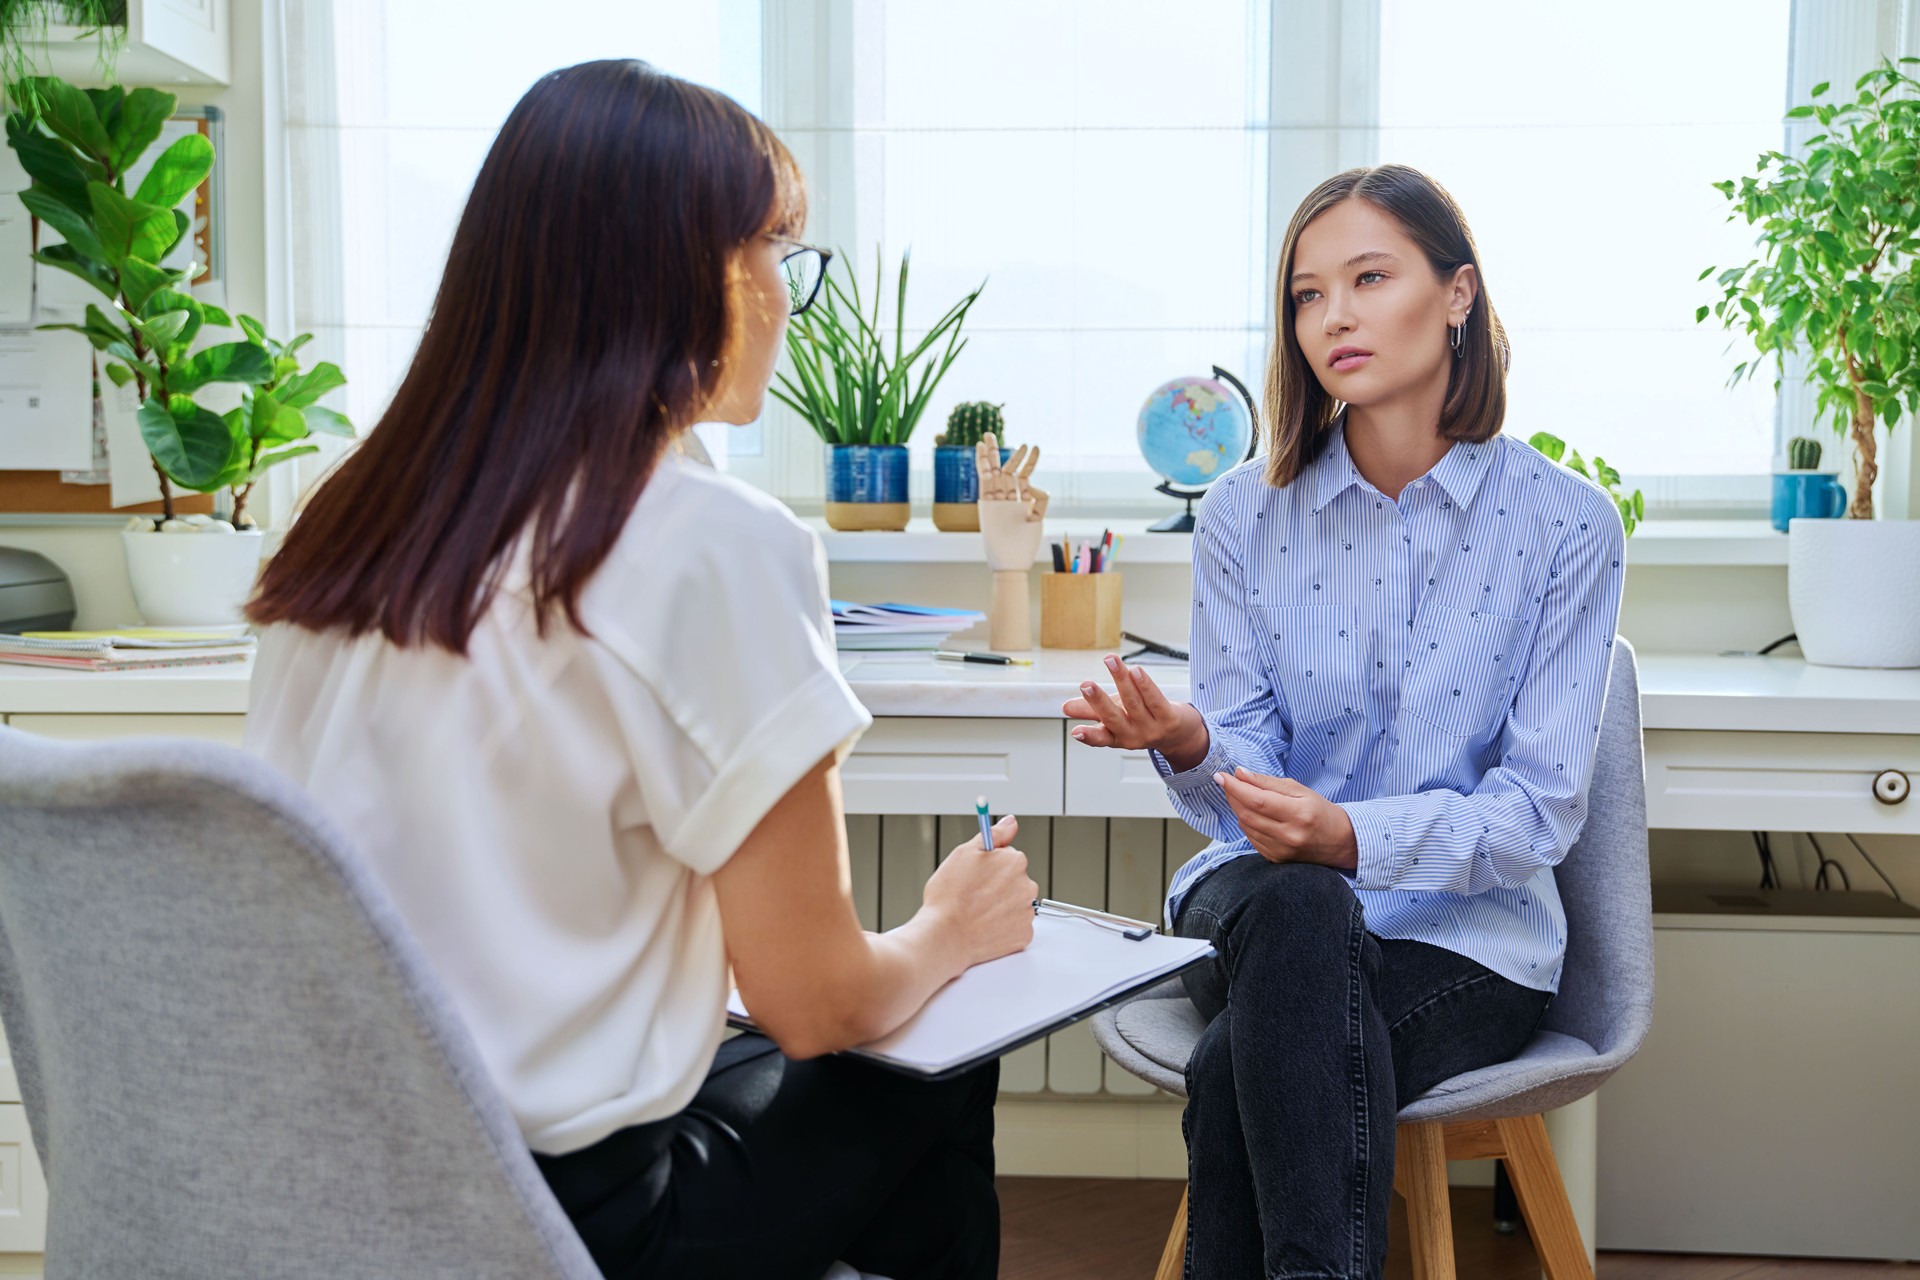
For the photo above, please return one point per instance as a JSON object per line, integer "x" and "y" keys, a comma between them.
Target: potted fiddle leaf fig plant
{"x": 80, "y": 148}
{"x": 1840, "y": 226}
{"x": 863, "y": 391}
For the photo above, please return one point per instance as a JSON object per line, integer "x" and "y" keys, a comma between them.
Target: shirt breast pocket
{"x": 1466, "y": 668}
{"x": 1316, "y": 653}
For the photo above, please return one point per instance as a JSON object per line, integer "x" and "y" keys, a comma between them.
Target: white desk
{"x": 1733, "y": 743}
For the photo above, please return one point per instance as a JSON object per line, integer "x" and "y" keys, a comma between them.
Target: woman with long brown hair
{"x": 1403, "y": 624}
{"x": 575, "y": 698}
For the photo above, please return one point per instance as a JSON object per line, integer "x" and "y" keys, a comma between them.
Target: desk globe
{"x": 1191, "y": 431}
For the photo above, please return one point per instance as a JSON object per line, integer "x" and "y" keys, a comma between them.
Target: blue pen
{"x": 986, "y": 823}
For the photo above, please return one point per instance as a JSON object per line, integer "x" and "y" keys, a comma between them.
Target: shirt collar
{"x": 1459, "y": 470}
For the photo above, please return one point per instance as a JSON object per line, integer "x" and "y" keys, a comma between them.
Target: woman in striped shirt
{"x": 1403, "y": 624}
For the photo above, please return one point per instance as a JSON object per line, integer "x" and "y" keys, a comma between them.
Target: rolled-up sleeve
{"x": 1528, "y": 809}
{"x": 1233, "y": 690}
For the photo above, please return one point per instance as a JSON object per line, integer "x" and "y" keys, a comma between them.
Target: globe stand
{"x": 1183, "y": 522}
{"x": 1179, "y": 521}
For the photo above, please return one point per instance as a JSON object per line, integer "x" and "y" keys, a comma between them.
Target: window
{"x": 1581, "y": 148}
{"x": 391, "y": 109}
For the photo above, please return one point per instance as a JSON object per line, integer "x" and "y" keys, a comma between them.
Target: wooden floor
{"x": 1113, "y": 1229}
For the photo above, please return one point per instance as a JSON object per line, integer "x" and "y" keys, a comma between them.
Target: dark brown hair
{"x": 580, "y": 325}
{"x": 1299, "y": 412}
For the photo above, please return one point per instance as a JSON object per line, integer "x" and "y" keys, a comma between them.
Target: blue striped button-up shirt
{"x": 1434, "y": 663}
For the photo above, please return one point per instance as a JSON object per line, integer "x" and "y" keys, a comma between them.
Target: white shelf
{"x": 1654, "y": 542}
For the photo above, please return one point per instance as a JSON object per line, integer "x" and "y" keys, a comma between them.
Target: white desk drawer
{"x": 213, "y": 728}
{"x": 1104, "y": 783}
{"x": 1739, "y": 781}
{"x": 920, "y": 765}
{"x": 23, "y": 1187}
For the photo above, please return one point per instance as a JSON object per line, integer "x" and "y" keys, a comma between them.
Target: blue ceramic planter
{"x": 954, "y": 477}
{"x": 1807, "y": 494}
{"x": 867, "y": 486}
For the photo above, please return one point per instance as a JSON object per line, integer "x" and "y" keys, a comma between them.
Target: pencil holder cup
{"x": 1080, "y": 611}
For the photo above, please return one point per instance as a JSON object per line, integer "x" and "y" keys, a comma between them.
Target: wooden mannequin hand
{"x": 1009, "y": 483}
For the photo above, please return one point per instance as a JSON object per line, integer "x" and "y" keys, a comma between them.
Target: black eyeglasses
{"x": 805, "y": 270}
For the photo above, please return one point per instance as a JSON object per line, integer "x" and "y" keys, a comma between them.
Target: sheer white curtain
{"x": 391, "y": 108}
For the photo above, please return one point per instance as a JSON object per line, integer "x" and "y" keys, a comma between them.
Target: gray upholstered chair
{"x": 1595, "y": 1023}
{"x": 234, "y": 1060}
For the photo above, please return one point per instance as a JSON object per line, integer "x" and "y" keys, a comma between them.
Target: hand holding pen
{"x": 981, "y": 896}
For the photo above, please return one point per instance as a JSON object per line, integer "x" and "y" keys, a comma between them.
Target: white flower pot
{"x": 1853, "y": 587}
{"x": 192, "y": 579}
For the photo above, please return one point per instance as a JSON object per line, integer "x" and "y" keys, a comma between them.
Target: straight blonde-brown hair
{"x": 1299, "y": 412}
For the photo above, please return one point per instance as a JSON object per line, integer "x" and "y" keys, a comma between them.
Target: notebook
{"x": 130, "y": 649}
{"x": 1073, "y": 968}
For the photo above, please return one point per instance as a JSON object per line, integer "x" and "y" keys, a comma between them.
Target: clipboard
{"x": 1080, "y": 962}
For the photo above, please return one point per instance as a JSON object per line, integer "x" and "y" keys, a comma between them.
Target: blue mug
{"x": 1815, "y": 494}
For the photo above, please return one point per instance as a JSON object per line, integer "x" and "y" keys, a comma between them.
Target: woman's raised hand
{"x": 1136, "y": 715}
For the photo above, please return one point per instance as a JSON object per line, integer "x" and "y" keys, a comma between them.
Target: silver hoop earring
{"x": 1457, "y": 335}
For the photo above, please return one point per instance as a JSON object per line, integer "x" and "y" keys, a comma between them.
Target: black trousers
{"x": 1320, "y": 1033}
{"x": 779, "y": 1168}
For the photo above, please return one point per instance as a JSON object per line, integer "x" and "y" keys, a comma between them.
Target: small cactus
{"x": 970, "y": 421}
{"x": 1803, "y": 453}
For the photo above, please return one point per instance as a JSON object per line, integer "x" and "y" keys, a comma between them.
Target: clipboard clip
{"x": 1127, "y": 927}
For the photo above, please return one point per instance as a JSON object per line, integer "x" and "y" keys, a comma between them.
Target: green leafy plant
{"x": 971, "y": 420}
{"x": 1632, "y": 506}
{"x": 1803, "y": 453}
{"x": 25, "y": 30}
{"x": 1839, "y": 230}
{"x": 853, "y": 382}
{"x": 78, "y": 151}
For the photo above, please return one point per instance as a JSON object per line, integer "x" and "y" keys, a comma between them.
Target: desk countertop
{"x": 1678, "y": 690}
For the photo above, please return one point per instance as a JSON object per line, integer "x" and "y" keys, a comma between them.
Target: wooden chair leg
{"x": 1535, "y": 1175}
{"x": 1420, "y": 1174}
{"x": 1173, "y": 1258}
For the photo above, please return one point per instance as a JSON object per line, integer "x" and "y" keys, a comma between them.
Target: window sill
{"x": 1654, "y": 542}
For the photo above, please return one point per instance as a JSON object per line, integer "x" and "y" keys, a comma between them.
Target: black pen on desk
{"x": 991, "y": 659}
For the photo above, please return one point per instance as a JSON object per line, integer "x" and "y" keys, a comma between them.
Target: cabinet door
{"x": 1105, "y": 783}
{"x": 224, "y": 729}
{"x": 23, "y": 1187}
{"x": 938, "y": 765}
{"x": 1713, "y": 780}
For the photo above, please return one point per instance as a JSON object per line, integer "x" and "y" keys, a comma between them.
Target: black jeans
{"x": 1320, "y": 1033}
{"x": 777, "y": 1168}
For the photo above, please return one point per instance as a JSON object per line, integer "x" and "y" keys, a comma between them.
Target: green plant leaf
{"x": 193, "y": 445}
{"x": 180, "y": 168}
{"x": 71, "y": 115}
{"x": 176, "y": 300}
{"x": 119, "y": 375}
{"x": 64, "y": 257}
{"x": 53, "y": 165}
{"x": 217, "y": 315}
{"x": 325, "y": 421}
{"x": 301, "y": 391}
{"x": 242, "y": 362}
{"x": 140, "y": 280}
{"x": 142, "y": 115}
{"x": 162, "y": 330}
{"x": 129, "y": 228}
{"x": 74, "y": 227}
{"x": 283, "y": 455}
{"x": 273, "y": 422}
{"x": 255, "y": 331}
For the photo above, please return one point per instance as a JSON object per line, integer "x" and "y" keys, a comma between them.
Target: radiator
{"x": 1117, "y": 864}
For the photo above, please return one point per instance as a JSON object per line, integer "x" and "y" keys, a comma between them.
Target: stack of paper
{"x": 1071, "y": 969}
{"x": 129, "y": 649}
{"x": 897, "y": 626}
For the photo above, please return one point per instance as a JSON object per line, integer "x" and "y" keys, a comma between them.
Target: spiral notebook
{"x": 1078, "y": 963}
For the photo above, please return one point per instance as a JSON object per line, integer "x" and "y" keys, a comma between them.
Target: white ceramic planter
{"x": 1853, "y": 587}
{"x": 192, "y": 579}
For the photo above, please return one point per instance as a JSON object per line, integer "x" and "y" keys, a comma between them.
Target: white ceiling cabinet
{"x": 169, "y": 42}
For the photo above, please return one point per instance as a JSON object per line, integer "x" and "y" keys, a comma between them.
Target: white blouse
{"x": 547, "y": 814}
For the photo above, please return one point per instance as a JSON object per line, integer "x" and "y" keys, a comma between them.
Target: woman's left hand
{"x": 1288, "y": 822}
